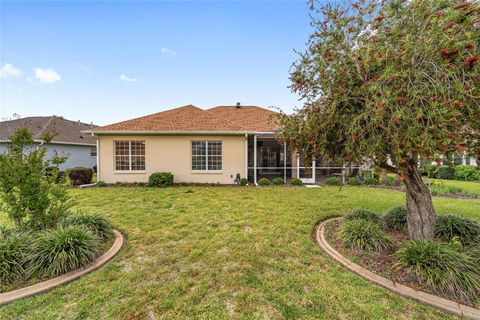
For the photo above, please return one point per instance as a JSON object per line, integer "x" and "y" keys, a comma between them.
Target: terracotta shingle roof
{"x": 191, "y": 118}
{"x": 250, "y": 117}
{"x": 65, "y": 131}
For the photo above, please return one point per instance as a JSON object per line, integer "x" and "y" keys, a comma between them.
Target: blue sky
{"x": 114, "y": 60}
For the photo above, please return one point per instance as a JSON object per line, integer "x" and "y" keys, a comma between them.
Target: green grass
{"x": 467, "y": 187}
{"x": 226, "y": 252}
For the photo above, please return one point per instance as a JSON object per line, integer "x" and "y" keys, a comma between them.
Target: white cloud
{"x": 126, "y": 78}
{"x": 7, "y": 70}
{"x": 168, "y": 51}
{"x": 47, "y": 76}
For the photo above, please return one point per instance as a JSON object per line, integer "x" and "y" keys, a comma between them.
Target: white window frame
{"x": 206, "y": 156}
{"x": 129, "y": 156}
{"x": 96, "y": 152}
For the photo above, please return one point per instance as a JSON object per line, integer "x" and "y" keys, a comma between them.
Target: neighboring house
{"x": 68, "y": 138}
{"x": 202, "y": 146}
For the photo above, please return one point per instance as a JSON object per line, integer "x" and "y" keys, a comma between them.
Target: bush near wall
{"x": 333, "y": 181}
{"x": 80, "y": 175}
{"x": 264, "y": 182}
{"x": 160, "y": 179}
{"x": 467, "y": 173}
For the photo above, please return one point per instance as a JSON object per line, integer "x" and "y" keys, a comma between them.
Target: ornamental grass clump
{"x": 97, "y": 224}
{"x": 396, "y": 219}
{"x": 14, "y": 246}
{"x": 362, "y": 214}
{"x": 57, "y": 251}
{"x": 365, "y": 235}
{"x": 444, "y": 268}
{"x": 466, "y": 230}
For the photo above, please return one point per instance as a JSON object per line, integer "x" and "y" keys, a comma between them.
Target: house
{"x": 68, "y": 138}
{"x": 215, "y": 145}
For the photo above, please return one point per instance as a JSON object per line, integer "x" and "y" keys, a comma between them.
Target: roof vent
{"x": 238, "y": 105}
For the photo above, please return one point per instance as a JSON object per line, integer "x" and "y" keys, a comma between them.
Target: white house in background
{"x": 68, "y": 140}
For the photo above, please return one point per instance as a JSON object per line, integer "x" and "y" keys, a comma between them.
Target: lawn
{"x": 226, "y": 252}
{"x": 468, "y": 187}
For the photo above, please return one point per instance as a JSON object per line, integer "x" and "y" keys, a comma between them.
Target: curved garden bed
{"x": 50, "y": 284}
{"x": 446, "y": 305}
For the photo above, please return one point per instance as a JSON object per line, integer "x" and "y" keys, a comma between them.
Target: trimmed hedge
{"x": 354, "y": 181}
{"x": 296, "y": 182}
{"x": 333, "y": 181}
{"x": 80, "y": 175}
{"x": 243, "y": 182}
{"x": 370, "y": 181}
{"x": 278, "y": 182}
{"x": 264, "y": 182}
{"x": 467, "y": 173}
{"x": 160, "y": 179}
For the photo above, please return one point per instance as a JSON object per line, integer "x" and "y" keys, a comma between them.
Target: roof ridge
{"x": 42, "y": 130}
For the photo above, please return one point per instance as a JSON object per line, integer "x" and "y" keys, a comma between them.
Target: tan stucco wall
{"x": 173, "y": 154}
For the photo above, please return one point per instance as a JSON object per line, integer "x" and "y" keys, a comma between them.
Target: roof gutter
{"x": 56, "y": 142}
{"x": 202, "y": 132}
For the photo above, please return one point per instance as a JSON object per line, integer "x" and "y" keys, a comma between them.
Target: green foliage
{"x": 354, "y": 181}
{"x": 14, "y": 246}
{"x": 359, "y": 234}
{"x": 57, "y": 251}
{"x": 429, "y": 170}
{"x": 278, "y": 182}
{"x": 101, "y": 184}
{"x": 466, "y": 230}
{"x": 333, "y": 181}
{"x": 80, "y": 175}
{"x": 363, "y": 215}
{"x": 441, "y": 266}
{"x": 97, "y": 224}
{"x": 396, "y": 219}
{"x": 388, "y": 181}
{"x": 374, "y": 93}
{"x": 243, "y": 182}
{"x": 296, "y": 182}
{"x": 445, "y": 172}
{"x": 438, "y": 188}
{"x": 264, "y": 182}
{"x": 370, "y": 181}
{"x": 160, "y": 179}
{"x": 27, "y": 187}
{"x": 467, "y": 173}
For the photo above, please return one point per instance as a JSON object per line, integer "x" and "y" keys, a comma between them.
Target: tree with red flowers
{"x": 391, "y": 81}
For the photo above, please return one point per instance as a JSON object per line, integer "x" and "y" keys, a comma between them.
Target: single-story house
{"x": 68, "y": 140}
{"x": 215, "y": 145}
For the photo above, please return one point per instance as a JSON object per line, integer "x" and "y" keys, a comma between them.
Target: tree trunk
{"x": 421, "y": 215}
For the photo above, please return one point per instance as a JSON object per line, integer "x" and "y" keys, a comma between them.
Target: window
{"x": 93, "y": 151}
{"x": 206, "y": 155}
{"x": 129, "y": 155}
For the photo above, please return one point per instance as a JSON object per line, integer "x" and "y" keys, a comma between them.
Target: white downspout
{"x": 255, "y": 159}
{"x": 246, "y": 156}
{"x": 285, "y": 162}
{"x": 98, "y": 158}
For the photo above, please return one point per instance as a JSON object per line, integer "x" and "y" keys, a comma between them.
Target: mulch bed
{"x": 382, "y": 263}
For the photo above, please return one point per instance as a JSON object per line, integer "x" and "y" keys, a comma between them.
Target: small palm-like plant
{"x": 14, "y": 246}
{"x": 465, "y": 229}
{"x": 58, "y": 251}
{"x": 99, "y": 225}
{"x": 359, "y": 234}
{"x": 445, "y": 268}
{"x": 362, "y": 214}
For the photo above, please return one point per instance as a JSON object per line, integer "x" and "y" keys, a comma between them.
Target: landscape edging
{"x": 443, "y": 304}
{"x": 41, "y": 287}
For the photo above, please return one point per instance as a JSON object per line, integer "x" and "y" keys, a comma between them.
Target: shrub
{"x": 58, "y": 251}
{"x": 436, "y": 188}
{"x": 465, "y": 229}
{"x": 467, "y": 172}
{"x": 370, "y": 181}
{"x": 396, "y": 219}
{"x": 442, "y": 267}
{"x": 359, "y": 234}
{"x": 264, "y": 182}
{"x": 388, "y": 181}
{"x": 141, "y": 184}
{"x": 296, "y": 182}
{"x": 445, "y": 172}
{"x": 14, "y": 246}
{"x": 278, "y": 182}
{"x": 160, "y": 179}
{"x": 333, "y": 181}
{"x": 243, "y": 182}
{"x": 80, "y": 175}
{"x": 363, "y": 215}
{"x": 354, "y": 181}
{"x": 101, "y": 184}
{"x": 97, "y": 224}
{"x": 429, "y": 170}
